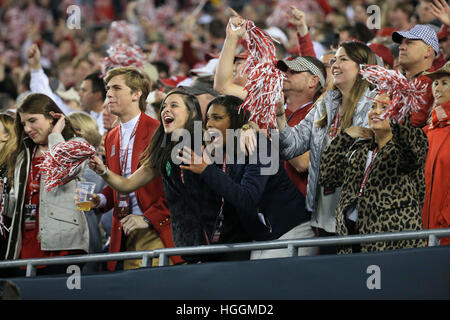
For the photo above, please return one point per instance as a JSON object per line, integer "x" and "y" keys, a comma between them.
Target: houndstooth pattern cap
{"x": 418, "y": 32}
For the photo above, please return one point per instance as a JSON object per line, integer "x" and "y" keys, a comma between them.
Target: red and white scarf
{"x": 440, "y": 116}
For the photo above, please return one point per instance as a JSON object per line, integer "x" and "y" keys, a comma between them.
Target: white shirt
{"x": 99, "y": 118}
{"x": 39, "y": 84}
{"x": 126, "y": 131}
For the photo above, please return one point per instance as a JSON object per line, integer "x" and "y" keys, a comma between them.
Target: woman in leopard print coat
{"x": 393, "y": 161}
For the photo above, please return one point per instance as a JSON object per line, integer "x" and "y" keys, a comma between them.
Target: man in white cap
{"x": 418, "y": 48}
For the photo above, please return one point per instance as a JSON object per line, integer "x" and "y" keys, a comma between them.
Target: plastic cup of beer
{"x": 84, "y": 193}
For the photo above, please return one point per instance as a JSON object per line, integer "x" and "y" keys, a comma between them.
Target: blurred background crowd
{"x": 177, "y": 37}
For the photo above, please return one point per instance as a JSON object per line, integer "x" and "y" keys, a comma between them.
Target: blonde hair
{"x": 87, "y": 126}
{"x": 8, "y": 151}
{"x": 135, "y": 80}
{"x": 360, "y": 54}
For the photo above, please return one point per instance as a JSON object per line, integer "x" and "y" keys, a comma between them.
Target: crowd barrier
{"x": 420, "y": 273}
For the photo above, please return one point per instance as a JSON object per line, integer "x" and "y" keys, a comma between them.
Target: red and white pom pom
{"x": 123, "y": 55}
{"x": 406, "y": 96}
{"x": 121, "y": 31}
{"x": 63, "y": 162}
{"x": 264, "y": 81}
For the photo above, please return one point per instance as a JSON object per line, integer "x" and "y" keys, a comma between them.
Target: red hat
{"x": 173, "y": 81}
{"x": 443, "y": 33}
{"x": 383, "y": 52}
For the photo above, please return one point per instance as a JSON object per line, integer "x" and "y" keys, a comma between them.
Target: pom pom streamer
{"x": 406, "y": 96}
{"x": 265, "y": 81}
{"x": 123, "y": 55}
{"x": 122, "y": 30}
{"x": 63, "y": 162}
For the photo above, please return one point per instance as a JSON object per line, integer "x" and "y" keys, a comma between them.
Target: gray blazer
{"x": 61, "y": 225}
{"x": 306, "y": 135}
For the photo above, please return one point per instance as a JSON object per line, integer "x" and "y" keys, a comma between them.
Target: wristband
{"x": 101, "y": 174}
{"x": 148, "y": 222}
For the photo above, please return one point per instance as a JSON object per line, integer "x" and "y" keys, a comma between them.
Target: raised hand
{"x": 34, "y": 57}
{"x": 441, "y": 10}
{"x": 236, "y": 25}
{"x": 298, "y": 19}
{"x": 247, "y": 138}
{"x": 192, "y": 161}
{"x": 60, "y": 124}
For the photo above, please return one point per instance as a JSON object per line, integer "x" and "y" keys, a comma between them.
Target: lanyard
{"x": 219, "y": 220}
{"x": 3, "y": 182}
{"x": 335, "y": 127}
{"x": 124, "y": 158}
{"x": 34, "y": 181}
{"x": 366, "y": 173}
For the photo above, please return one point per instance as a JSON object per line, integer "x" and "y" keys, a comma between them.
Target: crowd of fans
{"x": 123, "y": 75}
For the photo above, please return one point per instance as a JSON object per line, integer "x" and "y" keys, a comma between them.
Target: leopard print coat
{"x": 395, "y": 190}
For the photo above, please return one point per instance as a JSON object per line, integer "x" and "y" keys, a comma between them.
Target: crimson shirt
{"x": 300, "y": 179}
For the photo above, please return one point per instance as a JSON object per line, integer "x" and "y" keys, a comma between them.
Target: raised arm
{"x": 224, "y": 78}
{"x": 39, "y": 81}
{"x": 142, "y": 176}
{"x": 411, "y": 145}
{"x": 298, "y": 19}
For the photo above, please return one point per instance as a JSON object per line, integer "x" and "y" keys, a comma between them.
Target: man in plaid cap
{"x": 306, "y": 77}
{"x": 418, "y": 48}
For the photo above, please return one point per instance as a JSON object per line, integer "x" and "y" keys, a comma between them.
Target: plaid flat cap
{"x": 418, "y": 32}
{"x": 300, "y": 64}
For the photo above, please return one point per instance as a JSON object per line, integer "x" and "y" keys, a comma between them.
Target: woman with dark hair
{"x": 268, "y": 203}
{"x": 347, "y": 104}
{"x": 44, "y": 224}
{"x": 382, "y": 178}
{"x": 193, "y": 206}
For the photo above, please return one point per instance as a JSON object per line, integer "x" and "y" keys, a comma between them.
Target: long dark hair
{"x": 37, "y": 103}
{"x": 231, "y": 104}
{"x": 159, "y": 150}
{"x": 237, "y": 117}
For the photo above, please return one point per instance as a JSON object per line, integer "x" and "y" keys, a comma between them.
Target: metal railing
{"x": 292, "y": 246}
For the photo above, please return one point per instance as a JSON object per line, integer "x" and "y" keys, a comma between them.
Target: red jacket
{"x": 436, "y": 209}
{"x": 150, "y": 198}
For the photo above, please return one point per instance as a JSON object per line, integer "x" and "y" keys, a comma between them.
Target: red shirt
{"x": 31, "y": 246}
{"x": 300, "y": 179}
{"x": 419, "y": 119}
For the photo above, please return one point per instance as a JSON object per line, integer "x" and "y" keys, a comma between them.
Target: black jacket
{"x": 247, "y": 192}
{"x": 194, "y": 208}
